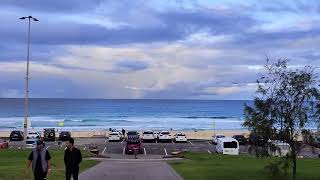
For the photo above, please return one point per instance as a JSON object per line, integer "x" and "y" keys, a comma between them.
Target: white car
{"x": 164, "y": 136}
{"x": 227, "y": 146}
{"x": 33, "y": 135}
{"x": 31, "y": 143}
{"x": 180, "y": 137}
{"x": 148, "y": 136}
{"x": 215, "y": 138}
{"x": 115, "y": 136}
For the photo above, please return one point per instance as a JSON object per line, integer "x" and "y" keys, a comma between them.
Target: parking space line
{"x": 172, "y": 142}
{"x": 145, "y": 152}
{"x": 209, "y": 143}
{"x": 104, "y": 150}
{"x": 122, "y": 141}
{"x": 165, "y": 151}
{"x": 190, "y": 142}
{"x": 209, "y": 151}
{"x": 124, "y": 149}
{"x": 105, "y": 140}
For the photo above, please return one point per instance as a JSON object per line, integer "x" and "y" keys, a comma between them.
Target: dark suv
{"x": 240, "y": 138}
{"x": 16, "y": 136}
{"x": 49, "y": 134}
{"x": 64, "y": 135}
{"x": 133, "y": 145}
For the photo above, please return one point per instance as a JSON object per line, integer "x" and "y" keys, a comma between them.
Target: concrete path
{"x": 130, "y": 170}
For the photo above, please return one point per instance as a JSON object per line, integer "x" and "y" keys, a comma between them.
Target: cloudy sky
{"x": 159, "y": 49}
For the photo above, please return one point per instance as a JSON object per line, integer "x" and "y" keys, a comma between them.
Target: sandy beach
{"x": 205, "y": 134}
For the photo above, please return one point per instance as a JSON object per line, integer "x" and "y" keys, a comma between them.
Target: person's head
{"x": 39, "y": 144}
{"x": 70, "y": 143}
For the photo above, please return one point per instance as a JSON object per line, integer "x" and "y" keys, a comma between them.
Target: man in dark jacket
{"x": 72, "y": 159}
{"x": 40, "y": 160}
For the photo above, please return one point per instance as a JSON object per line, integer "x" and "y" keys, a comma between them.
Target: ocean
{"x": 93, "y": 114}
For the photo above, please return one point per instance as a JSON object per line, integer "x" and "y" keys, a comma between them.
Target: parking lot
{"x": 155, "y": 148}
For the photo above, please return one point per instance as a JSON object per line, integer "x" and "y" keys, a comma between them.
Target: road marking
{"x": 209, "y": 143}
{"x": 190, "y": 142}
{"x": 165, "y": 151}
{"x": 172, "y": 142}
{"x": 47, "y": 147}
{"x": 209, "y": 152}
{"x": 104, "y": 150}
{"x": 124, "y": 149}
{"x": 84, "y": 147}
{"x": 145, "y": 152}
{"x": 122, "y": 141}
{"x": 105, "y": 140}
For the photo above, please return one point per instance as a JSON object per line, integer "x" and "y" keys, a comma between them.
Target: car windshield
{"x": 181, "y": 135}
{"x": 133, "y": 141}
{"x": 33, "y": 133}
{"x": 31, "y": 142}
{"x": 220, "y": 136}
{"x": 148, "y": 132}
{"x": 132, "y": 133}
{"x": 232, "y": 144}
{"x": 165, "y": 133}
{"x": 114, "y": 134}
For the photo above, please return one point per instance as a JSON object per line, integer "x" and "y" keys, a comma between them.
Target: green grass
{"x": 13, "y": 164}
{"x": 202, "y": 166}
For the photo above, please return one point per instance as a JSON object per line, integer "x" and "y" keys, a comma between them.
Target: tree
{"x": 287, "y": 103}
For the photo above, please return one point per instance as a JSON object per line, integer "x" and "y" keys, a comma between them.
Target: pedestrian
{"x": 40, "y": 160}
{"x": 123, "y": 132}
{"x": 72, "y": 159}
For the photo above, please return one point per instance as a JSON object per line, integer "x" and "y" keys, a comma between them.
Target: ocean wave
{"x": 95, "y": 120}
{"x": 209, "y": 117}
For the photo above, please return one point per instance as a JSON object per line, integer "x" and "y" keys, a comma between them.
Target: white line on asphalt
{"x": 105, "y": 140}
{"x": 190, "y": 142}
{"x": 209, "y": 152}
{"x": 47, "y": 147}
{"x": 209, "y": 143}
{"x": 145, "y": 152}
{"x": 165, "y": 151}
{"x": 124, "y": 149}
{"x": 172, "y": 142}
{"x": 104, "y": 150}
{"x": 122, "y": 141}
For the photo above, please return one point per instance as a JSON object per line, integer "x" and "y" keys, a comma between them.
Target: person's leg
{"x": 75, "y": 173}
{"x": 43, "y": 175}
{"x": 68, "y": 174}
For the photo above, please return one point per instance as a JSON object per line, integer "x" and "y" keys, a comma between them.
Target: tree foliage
{"x": 287, "y": 102}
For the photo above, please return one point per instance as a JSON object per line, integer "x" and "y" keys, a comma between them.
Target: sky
{"x": 152, "y": 49}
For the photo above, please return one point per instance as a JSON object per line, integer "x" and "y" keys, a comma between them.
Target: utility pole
{"x": 26, "y": 107}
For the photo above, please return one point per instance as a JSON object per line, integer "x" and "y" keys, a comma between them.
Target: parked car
{"x": 133, "y": 145}
{"x": 180, "y": 137}
{"x": 164, "y": 136}
{"x": 115, "y": 136}
{"x": 215, "y": 138}
{"x": 49, "y": 134}
{"x": 64, "y": 135}
{"x": 132, "y": 133}
{"x": 257, "y": 140}
{"x": 3, "y": 144}
{"x": 227, "y": 146}
{"x": 278, "y": 148}
{"x": 16, "y": 136}
{"x": 240, "y": 138}
{"x": 31, "y": 143}
{"x": 33, "y": 135}
{"x": 149, "y": 136}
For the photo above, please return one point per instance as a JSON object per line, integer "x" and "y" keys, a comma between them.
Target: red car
{"x": 3, "y": 144}
{"x": 133, "y": 145}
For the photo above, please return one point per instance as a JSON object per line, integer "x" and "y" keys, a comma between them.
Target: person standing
{"x": 123, "y": 132}
{"x": 40, "y": 160}
{"x": 72, "y": 159}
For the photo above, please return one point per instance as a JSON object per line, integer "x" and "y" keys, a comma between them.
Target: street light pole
{"x": 26, "y": 108}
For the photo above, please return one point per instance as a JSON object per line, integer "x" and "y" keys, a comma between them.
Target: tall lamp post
{"x": 26, "y": 108}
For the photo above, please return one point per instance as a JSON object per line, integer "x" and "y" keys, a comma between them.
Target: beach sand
{"x": 205, "y": 134}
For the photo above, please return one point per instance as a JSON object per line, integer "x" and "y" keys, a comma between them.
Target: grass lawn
{"x": 202, "y": 166}
{"x": 13, "y": 164}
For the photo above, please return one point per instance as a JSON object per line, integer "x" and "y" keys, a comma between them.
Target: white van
{"x": 227, "y": 146}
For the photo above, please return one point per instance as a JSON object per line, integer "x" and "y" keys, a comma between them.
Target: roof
{"x": 227, "y": 139}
